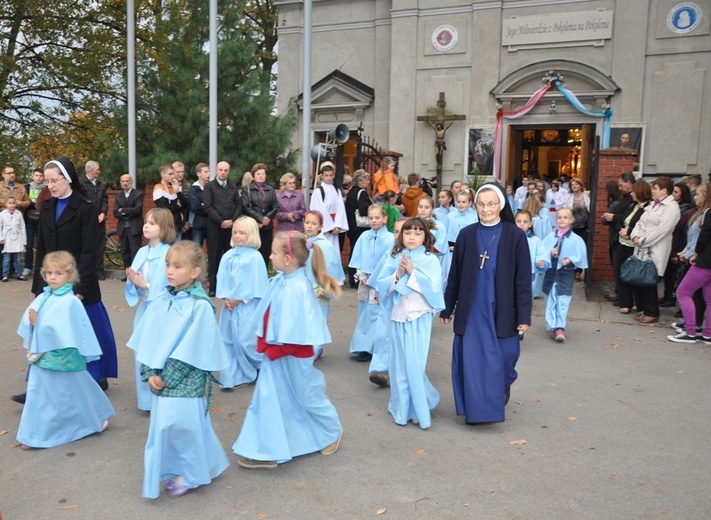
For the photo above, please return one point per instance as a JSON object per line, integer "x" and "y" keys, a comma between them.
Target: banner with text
{"x": 558, "y": 27}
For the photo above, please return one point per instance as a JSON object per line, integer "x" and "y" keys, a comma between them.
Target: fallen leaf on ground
{"x": 466, "y": 504}
{"x": 572, "y": 419}
{"x": 72, "y": 506}
{"x": 420, "y": 452}
{"x": 492, "y": 491}
{"x": 518, "y": 442}
{"x": 3, "y": 432}
{"x": 679, "y": 371}
{"x": 370, "y": 414}
{"x": 218, "y": 410}
{"x": 238, "y": 505}
{"x": 536, "y": 400}
{"x": 262, "y": 515}
{"x": 611, "y": 474}
{"x": 420, "y": 500}
{"x": 380, "y": 511}
{"x": 119, "y": 309}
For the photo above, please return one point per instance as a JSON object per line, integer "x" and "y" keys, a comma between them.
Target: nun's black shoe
{"x": 19, "y": 398}
{"x": 507, "y": 396}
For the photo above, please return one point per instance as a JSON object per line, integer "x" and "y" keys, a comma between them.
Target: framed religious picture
{"x": 480, "y": 159}
{"x": 629, "y": 135}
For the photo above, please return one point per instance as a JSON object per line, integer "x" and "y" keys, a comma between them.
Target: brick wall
{"x": 612, "y": 162}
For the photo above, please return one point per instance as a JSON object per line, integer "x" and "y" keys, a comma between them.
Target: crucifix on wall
{"x": 440, "y": 123}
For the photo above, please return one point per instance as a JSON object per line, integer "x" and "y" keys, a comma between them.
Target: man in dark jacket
{"x": 128, "y": 209}
{"x": 223, "y": 206}
{"x": 198, "y": 217}
{"x": 615, "y": 220}
{"x": 96, "y": 192}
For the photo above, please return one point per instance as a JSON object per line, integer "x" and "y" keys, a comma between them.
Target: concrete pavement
{"x": 612, "y": 424}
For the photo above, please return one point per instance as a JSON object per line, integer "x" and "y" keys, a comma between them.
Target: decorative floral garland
{"x": 550, "y": 80}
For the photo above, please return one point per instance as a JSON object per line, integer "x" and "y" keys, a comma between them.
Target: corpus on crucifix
{"x": 440, "y": 123}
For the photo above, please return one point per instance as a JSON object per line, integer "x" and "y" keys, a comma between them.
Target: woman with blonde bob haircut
{"x": 292, "y": 206}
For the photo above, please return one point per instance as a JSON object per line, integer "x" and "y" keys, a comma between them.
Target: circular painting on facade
{"x": 684, "y": 18}
{"x": 444, "y": 38}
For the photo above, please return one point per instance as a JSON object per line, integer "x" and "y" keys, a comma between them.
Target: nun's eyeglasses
{"x": 53, "y": 181}
{"x": 490, "y": 205}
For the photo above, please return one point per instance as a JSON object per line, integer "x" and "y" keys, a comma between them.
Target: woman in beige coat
{"x": 653, "y": 235}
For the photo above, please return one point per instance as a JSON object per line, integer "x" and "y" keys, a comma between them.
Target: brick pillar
{"x": 612, "y": 162}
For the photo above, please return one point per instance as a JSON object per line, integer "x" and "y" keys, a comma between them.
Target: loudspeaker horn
{"x": 326, "y": 155}
{"x": 340, "y": 133}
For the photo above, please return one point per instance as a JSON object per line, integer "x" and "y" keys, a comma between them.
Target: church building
{"x": 507, "y": 87}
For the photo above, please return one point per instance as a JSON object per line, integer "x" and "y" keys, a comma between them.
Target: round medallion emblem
{"x": 684, "y": 17}
{"x": 444, "y": 38}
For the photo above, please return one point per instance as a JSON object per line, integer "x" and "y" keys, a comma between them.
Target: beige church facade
{"x": 384, "y": 63}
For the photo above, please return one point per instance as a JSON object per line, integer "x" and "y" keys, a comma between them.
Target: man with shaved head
{"x": 223, "y": 206}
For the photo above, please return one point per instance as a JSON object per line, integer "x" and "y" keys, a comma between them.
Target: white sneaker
{"x": 26, "y": 272}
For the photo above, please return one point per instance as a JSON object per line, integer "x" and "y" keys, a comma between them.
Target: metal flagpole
{"x": 131, "y": 78}
{"x": 213, "y": 88}
{"x": 306, "y": 113}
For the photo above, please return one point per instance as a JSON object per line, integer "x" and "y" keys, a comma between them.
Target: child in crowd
{"x": 378, "y": 370}
{"x": 456, "y": 221}
{"x": 391, "y": 210}
{"x": 540, "y": 258}
{"x": 541, "y": 225}
{"x": 510, "y": 195}
{"x": 567, "y": 252}
{"x": 446, "y": 198}
{"x": 425, "y": 210}
{"x": 290, "y": 414}
{"x": 63, "y": 403}
{"x": 145, "y": 279}
{"x": 411, "y": 278}
{"x": 313, "y": 221}
{"x": 168, "y": 194}
{"x": 179, "y": 345}
{"x": 242, "y": 282}
{"x": 13, "y": 237}
{"x": 328, "y": 200}
{"x": 371, "y": 246}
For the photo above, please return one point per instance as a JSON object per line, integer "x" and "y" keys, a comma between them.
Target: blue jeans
{"x": 11, "y": 257}
{"x": 199, "y": 236}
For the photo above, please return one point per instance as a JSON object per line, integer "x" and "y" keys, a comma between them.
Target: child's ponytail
{"x": 318, "y": 266}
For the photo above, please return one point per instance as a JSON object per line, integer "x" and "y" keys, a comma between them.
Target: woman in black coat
{"x": 69, "y": 222}
{"x": 259, "y": 201}
{"x": 356, "y": 200}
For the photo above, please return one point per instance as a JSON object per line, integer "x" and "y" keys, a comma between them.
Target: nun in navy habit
{"x": 489, "y": 286}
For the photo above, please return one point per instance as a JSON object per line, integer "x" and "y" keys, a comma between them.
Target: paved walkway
{"x": 612, "y": 424}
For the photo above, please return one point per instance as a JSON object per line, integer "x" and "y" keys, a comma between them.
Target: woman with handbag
{"x": 641, "y": 195}
{"x": 357, "y": 203}
{"x": 653, "y": 234}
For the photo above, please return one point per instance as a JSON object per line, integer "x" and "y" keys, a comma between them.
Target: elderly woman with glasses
{"x": 490, "y": 285}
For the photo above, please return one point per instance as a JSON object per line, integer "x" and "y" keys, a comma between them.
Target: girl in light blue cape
{"x": 313, "y": 222}
{"x": 411, "y": 278}
{"x": 457, "y": 220}
{"x": 63, "y": 402}
{"x": 179, "y": 345}
{"x": 540, "y": 257}
{"x": 371, "y": 246}
{"x": 290, "y": 414}
{"x": 146, "y": 281}
{"x": 242, "y": 281}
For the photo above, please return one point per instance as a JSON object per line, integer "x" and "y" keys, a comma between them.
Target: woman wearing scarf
{"x": 259, "y": 201}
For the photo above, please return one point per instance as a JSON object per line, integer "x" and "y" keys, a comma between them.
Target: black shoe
{"x": 612, "y": 297}
{"x": 364, "y": 356}
{"x": 678, "y": 314}
{"x": 123, "y": 279}
{"x": 507, "y": 396}
{"x": 19, "y": 398}
{"x": 616, "y": 303}
{"x": 667, "y": 303}
{"x": 104, "y": 384}
{"x": 101, "y": 276}
{"x": 211, "y": 294}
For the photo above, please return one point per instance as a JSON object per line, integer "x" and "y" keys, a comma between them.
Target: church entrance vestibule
{"x": 551, "y": 150}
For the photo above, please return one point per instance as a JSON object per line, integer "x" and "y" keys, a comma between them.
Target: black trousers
{"x": 624, "y": 290}
{"x": 266, "y": 236}
{"x": 218, "y": 241}
{"x": 130, "y": 244}
{"x": 647, "y": 300}
{"x": 102, "y": 247}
